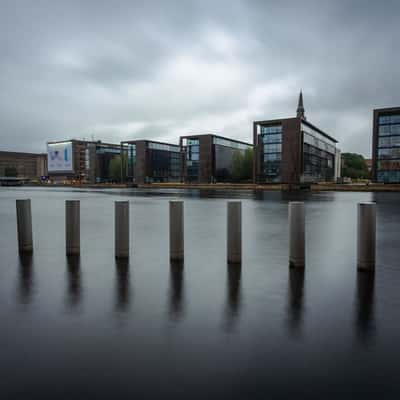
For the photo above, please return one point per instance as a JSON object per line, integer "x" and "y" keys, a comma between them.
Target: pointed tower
{"x": 300, "y": 107}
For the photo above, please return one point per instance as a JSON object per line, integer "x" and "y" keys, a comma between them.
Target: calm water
{"x": 92, "y": 328}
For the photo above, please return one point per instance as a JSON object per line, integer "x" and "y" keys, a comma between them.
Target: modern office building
{"x": 294, "y": 151}
{"x": 23, "y": 165}
{"x": 386, "y": 145}
{"x": 81, "y": 160}
{"x": 208, "y": 158}
{"x": 147, "y": 161}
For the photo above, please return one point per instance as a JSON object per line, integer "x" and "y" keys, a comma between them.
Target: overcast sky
{"x": 132, "y": 70}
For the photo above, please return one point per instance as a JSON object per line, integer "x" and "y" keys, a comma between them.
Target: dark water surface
{"x": 92, "y": 328}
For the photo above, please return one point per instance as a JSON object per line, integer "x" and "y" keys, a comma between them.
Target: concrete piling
{"x": 121, "y": 229}
{"x": 234, "y": 232}
{"x": 296, "y": 235}
{"x": 176, "y": 231}
{"x": 366, "y": 236}
{"x": 24, "y": 226}
{"x": 72, "y": 227}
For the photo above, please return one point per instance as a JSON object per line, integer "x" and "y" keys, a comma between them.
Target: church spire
{"x": 300, "y": 107}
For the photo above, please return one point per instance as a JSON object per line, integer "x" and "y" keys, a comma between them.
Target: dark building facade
{"x": 81, "y": 160}
{"x": 386, "y": 145}
{"x": 207, "y": 158}
{"x": 292, "y": 150}
{"x": 23, "y": 165}
{"x": 147, "y": 161}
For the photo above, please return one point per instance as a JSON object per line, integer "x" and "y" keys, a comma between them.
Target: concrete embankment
{"x": 247, "y": 186}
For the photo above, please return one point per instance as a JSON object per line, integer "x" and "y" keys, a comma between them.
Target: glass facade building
{"x": 192, "y": 159}
{"x": 318, "y": 155}
{"x": 209, "y": 158}
{"x": 386, "y": 145}
{"x": 292, "y": 150}
{"x": 149, "y": 161}
{"x": 270, "y": 141}
{"x": 104, "y": 154}
{"x": 91, "y": 161}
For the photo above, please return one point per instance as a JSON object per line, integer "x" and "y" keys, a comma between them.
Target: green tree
{"x": 242, "y": 165}
{"x": 248, "y": 164}
{"x": 10, "y": 172}
{"x": 237, "y": 165}
{"x": 114, "y": 169}
{"x": 354, "y": 166}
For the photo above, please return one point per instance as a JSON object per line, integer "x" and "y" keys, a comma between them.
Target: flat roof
{"x": 272, "y": 121}
{"x": 217, "y": 136}
{"x": 387, "y": 109}
{"x": 99, "y": 142}
{"x": 148, "y": 141}
{"x": 20, "y": 153}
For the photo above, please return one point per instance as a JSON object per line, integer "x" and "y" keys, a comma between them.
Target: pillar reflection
{"x": 365, "y": 306}
{"x": 74, "y": 286}
{"x": 25, "y": 278}
{"x": 295, "y": 299}
{"x": 122, "y": 287}
{"x": 234, "y": 297}
{"x": 176, "y": 290}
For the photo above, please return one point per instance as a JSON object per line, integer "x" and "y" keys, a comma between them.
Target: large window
{"x": 131, "y": 161}
{"x": 164, "y": 161}
{"x": 271, "y": 141}
{"x": 192, "y": 159}
{"x": 230, "y": 160}
{"x": 388, "y": 154}
{"x": 318, "y": 155}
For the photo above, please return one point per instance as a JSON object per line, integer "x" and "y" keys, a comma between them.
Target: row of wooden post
{"x": 366, "y": 231}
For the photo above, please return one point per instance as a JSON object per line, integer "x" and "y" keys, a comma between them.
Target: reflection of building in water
{"x": 365, "y": 306}
{"x": 25, "y": 279}
{"x": 74, "y": 288}
{"x": 233, "y": 295}
{"x": 295, "y": 299}
{"x": 122, "y": 288}
{"x": 176, "y": 306}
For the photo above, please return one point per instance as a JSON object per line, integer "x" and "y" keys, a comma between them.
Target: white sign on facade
{"x": 59, "y": 157}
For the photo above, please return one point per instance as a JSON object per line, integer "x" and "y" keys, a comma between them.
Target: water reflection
{"x": 234, "y": 297}
{"x": 74, "y": 287}
{"x": 365, "y": 306}
{"x": 25, "y": 279}
{"x": 122, "y": 287}
{"x": 176, "y": 291}
{"x": 295, "y": 299}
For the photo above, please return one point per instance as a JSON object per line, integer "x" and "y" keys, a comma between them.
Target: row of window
{"x": 389, "y": 141}
{"x": 231, "y": 143}
{"x": 164, "y": 147}
{"x": 318, "y": 161}
{"x": 308, "y": 149}
{"x": 389, "y": 165}
{"x": 272, "y": 157}
{"x": 273, "y": 138}
{"x": 270, "y": 130}
{"x": 330, "y": 144}
{"x": 389, "y": 119}
{"x": 387, "y": 130}
{"x": 192, "y": 150}
{"x": 389, "y": 153}
{"x": 272, "y": 148}
{"x": 388, "y": 176}
{"x": 318, "y": 143}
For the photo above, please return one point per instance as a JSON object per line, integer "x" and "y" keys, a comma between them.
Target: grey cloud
{"x": 159, "y": 69}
